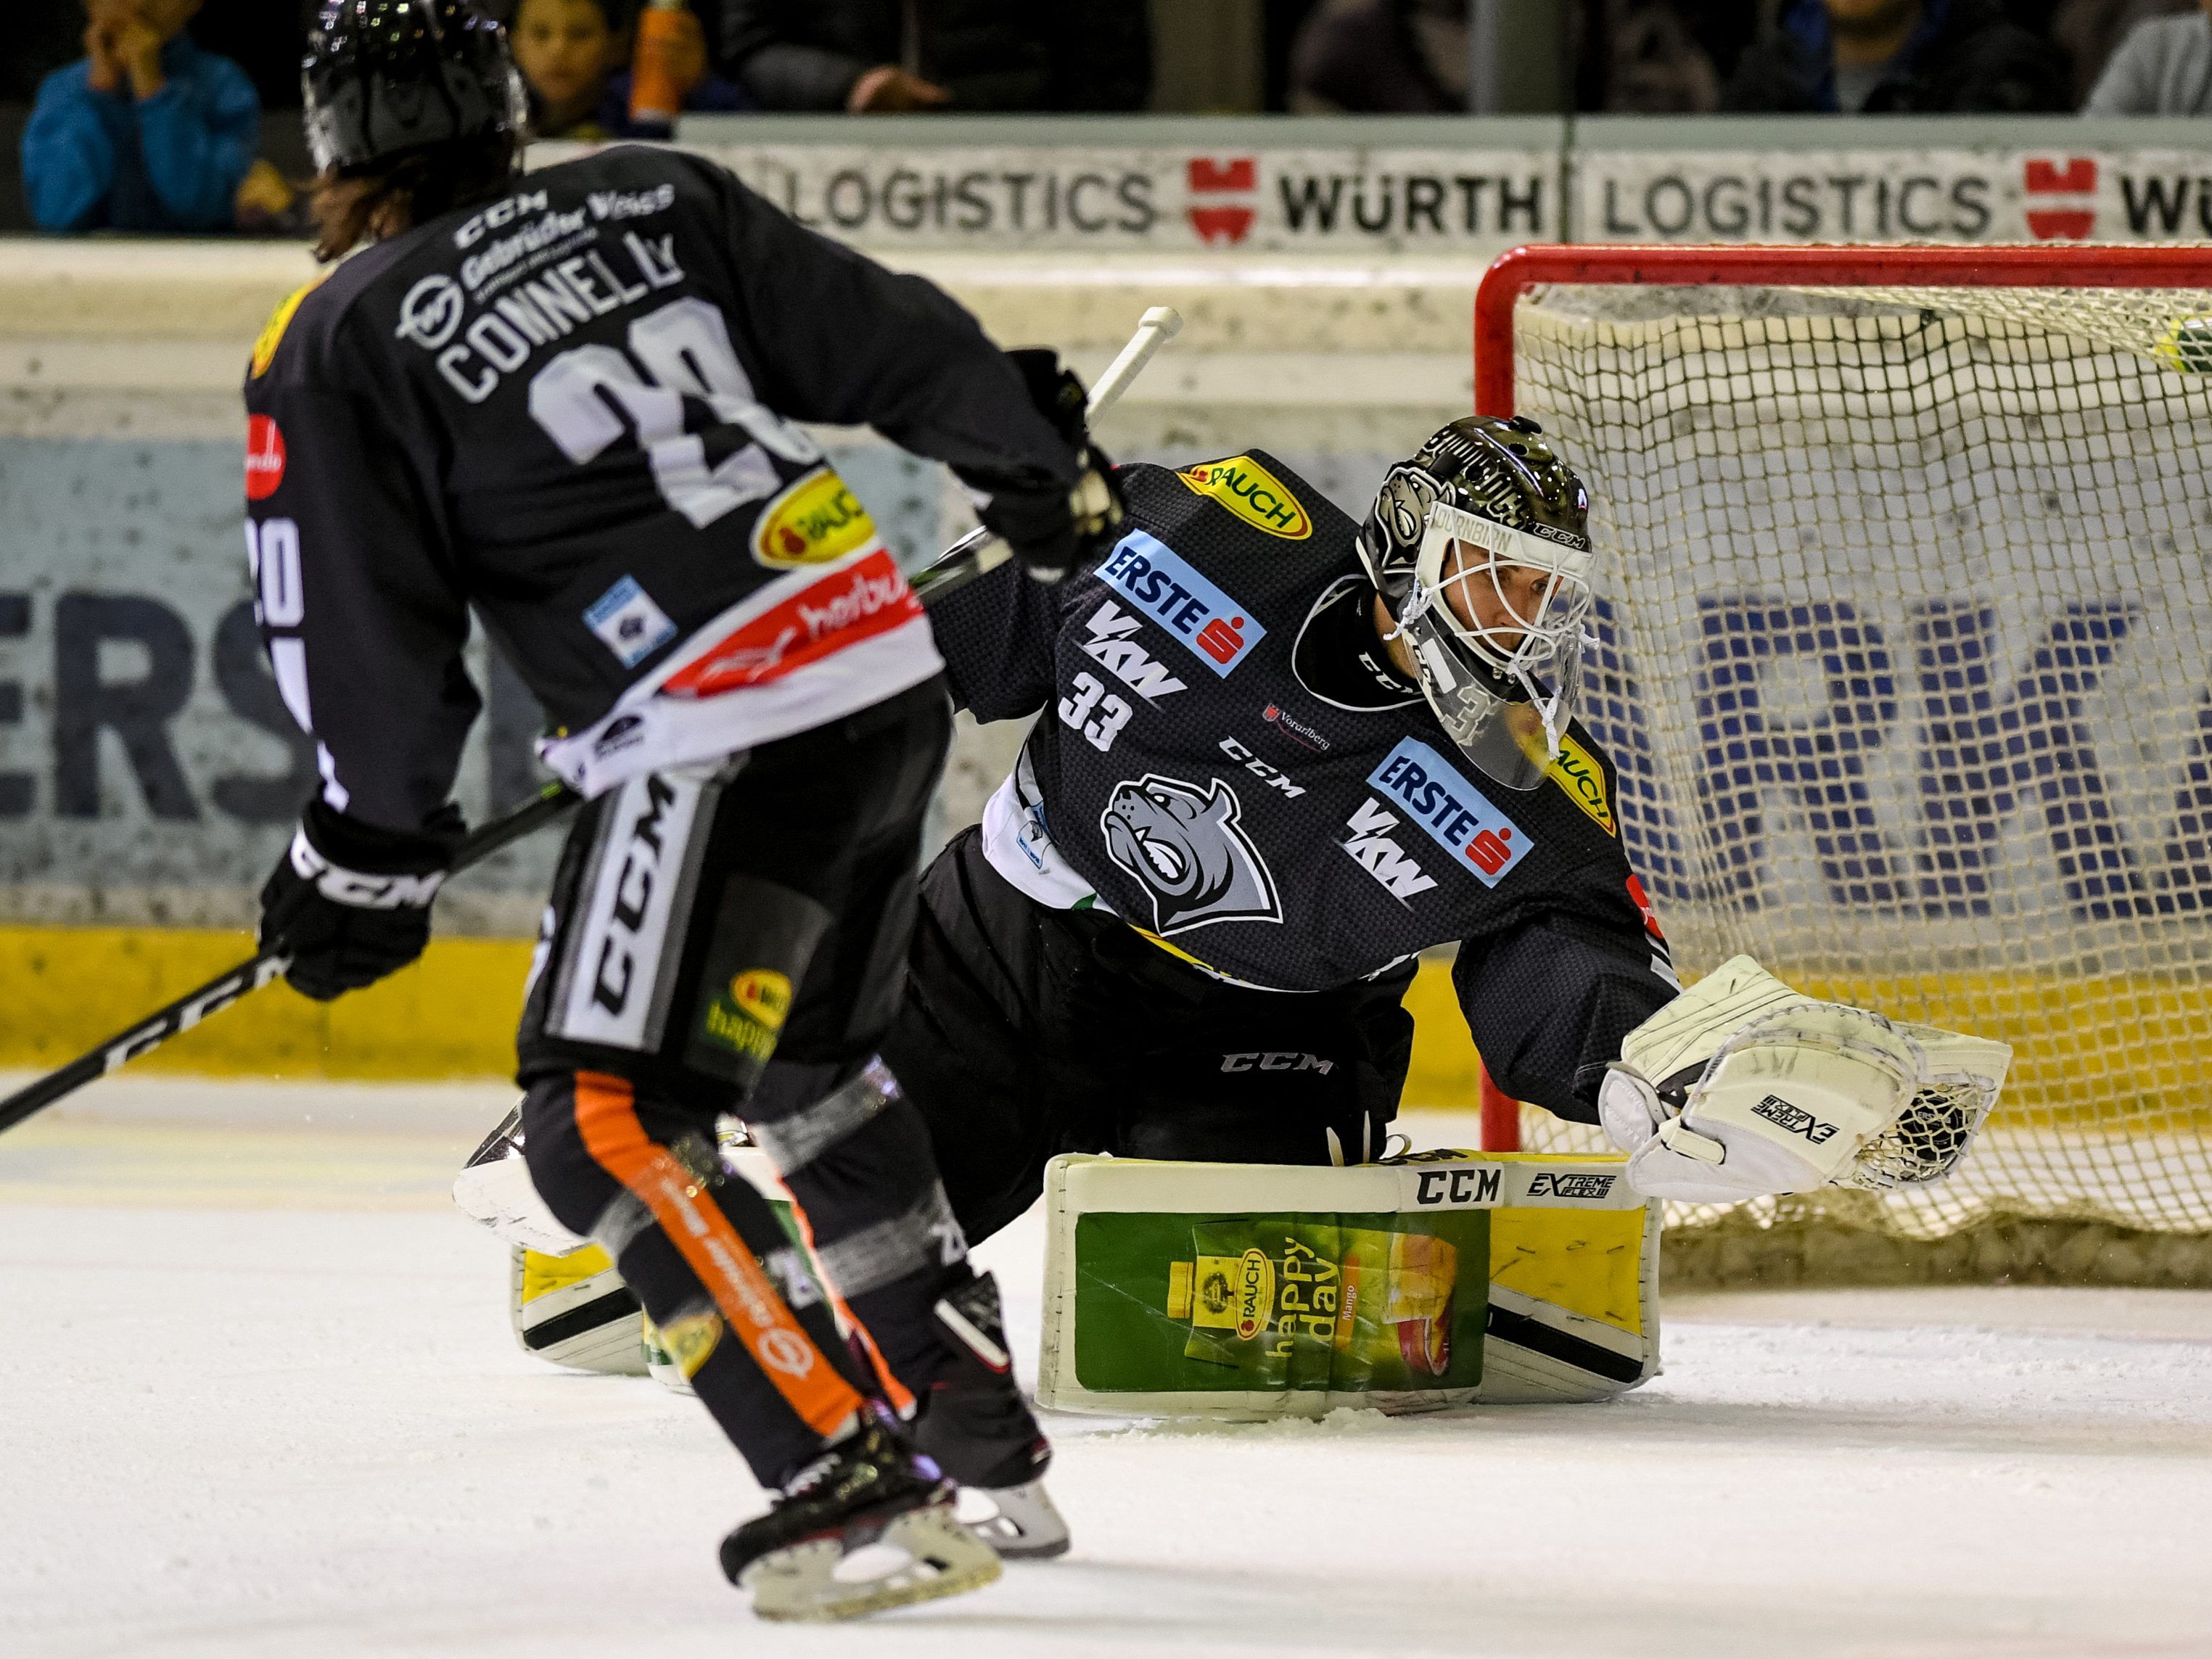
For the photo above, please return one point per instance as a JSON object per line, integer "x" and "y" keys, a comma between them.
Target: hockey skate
{"x": 869, "y": 1488}
{"x": 975, "y": 1425}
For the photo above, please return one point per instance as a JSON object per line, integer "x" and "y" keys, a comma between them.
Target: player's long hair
{"x": 354, "y": 207}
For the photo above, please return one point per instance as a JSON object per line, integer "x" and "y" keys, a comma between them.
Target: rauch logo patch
{"x": 1576, "y": 770}
{"x": 1161, "y": 583}
{"x": 1252, "y": 493}
{"x": 1451, "y": 811}
{"x": 816, "y": 520}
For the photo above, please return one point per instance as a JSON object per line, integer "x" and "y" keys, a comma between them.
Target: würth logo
{"x": 1224, "y": 197}
{"x": 1795, "y": 1119}
{"x": 2062, "y": 198}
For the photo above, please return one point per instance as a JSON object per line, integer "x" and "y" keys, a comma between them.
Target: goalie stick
{"x": 974, "y": 554}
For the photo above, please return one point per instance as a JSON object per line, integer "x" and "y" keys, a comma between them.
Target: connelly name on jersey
{"x": 614, "y": 309}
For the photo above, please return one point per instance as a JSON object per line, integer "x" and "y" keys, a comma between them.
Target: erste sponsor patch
{"x": 1162, "y": 584}
{"x": 1450, "y": 811}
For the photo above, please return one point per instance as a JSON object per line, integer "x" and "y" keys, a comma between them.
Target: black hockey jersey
{"x": 1225, "y": 759}
{"x": 572, "y": 409}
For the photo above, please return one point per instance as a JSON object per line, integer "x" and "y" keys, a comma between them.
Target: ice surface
{"x": 257, "y": 1398}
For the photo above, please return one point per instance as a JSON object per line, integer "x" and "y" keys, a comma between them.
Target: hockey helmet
{"x": 384, "y": 78}
{"x": 1486, "y": 509}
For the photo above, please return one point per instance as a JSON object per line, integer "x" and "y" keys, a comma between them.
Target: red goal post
{"x": 1517, "y": 272}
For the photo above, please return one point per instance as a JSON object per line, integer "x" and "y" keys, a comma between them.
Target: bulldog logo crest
{"x": 1187, "y": 848}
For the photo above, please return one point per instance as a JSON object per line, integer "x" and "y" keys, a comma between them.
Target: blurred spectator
{"x": 2164, "y": 67}
{"x": 571, "y": 54}
{"x": 1382, "y": 57}
{"x": 885, "y": 56}
{"x": 2088, "y": 31}
{"x": 1898, "y": 57}
{"x": 146, "y": 132}
{"x": 1652, "y": 60}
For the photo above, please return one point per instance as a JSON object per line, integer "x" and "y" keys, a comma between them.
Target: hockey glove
{"x": 1052, "y": 534}
{"x": 1743, "y": 1088}
{"x": 349, "y": 902}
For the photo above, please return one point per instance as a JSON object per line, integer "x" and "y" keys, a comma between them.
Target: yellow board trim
{"x": 65, "y": 989}
{"x": 2080, "y": 1043}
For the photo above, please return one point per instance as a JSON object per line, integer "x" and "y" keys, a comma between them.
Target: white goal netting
{"x": 1905, "y": 639}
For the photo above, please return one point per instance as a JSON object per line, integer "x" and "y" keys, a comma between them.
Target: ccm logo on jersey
{"x": 1451, "y": 811}
{"x": 1274, "y": 776}
{"x": 1113, "y": 642}
{"x": 1218, "y": 630}
{"x": 1277, "y": 1062}
{"x": 1252, "y": 493}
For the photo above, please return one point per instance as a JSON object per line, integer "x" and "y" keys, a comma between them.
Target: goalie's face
{"x": 1498, "y": 601}
{"x": 1515, "y": 599}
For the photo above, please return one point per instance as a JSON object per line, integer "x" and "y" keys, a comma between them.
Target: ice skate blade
{"x": 1025, "y": 1526}
{"x": 799, "y": 1585}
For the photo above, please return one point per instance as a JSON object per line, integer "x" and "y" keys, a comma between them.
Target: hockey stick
{"x": 979, "y": 552}
{"x": 971, "y": 556}
{"x": 218, "y": 994}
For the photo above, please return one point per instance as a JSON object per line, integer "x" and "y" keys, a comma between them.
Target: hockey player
{"x": 1277, "y": 756}
{"x": 565, "y": 402}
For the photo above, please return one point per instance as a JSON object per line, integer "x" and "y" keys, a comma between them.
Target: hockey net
{"x": 1905, "y": 642}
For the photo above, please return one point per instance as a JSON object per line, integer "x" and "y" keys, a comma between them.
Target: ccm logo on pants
{"x": 1277, "y": 1062}
{"x": 618, "y": 966}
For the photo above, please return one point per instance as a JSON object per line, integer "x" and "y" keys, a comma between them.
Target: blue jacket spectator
{"x": 173, "y": 159}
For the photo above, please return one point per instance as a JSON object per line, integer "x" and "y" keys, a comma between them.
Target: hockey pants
{"x": 1027, "y": 1032}
{"x": 732, "y": 939}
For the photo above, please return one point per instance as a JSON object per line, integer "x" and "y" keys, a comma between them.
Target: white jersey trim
{"x": 649, "y": 731}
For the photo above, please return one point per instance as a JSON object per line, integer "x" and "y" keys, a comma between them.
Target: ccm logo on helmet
{"x": 1451, "y": 811}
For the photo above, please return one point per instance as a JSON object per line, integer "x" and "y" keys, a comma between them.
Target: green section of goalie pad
{"x": 1337, "y": 1303}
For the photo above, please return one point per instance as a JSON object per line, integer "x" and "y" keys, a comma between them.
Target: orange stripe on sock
{"x": 897, "y": 1393}
{"x": 606, "y": 1115}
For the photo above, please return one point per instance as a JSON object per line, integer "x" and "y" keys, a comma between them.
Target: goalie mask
{"x": 1479, "y": 546}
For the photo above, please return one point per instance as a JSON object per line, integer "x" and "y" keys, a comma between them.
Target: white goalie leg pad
{"x": 1742, "y": 1087}
{"x": 498, "y": 1193}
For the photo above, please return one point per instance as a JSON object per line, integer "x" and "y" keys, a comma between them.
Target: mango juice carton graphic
{"x": 1289, "y": 1305}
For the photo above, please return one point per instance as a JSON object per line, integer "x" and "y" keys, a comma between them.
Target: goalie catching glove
{"x": 1742, "y": 1088}
{"x": 349, "y": 903}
